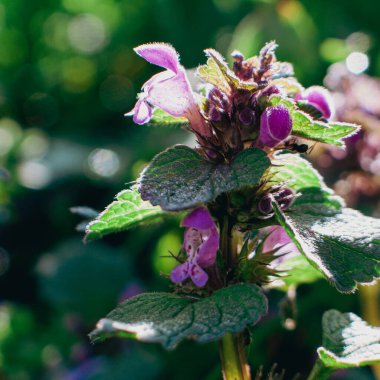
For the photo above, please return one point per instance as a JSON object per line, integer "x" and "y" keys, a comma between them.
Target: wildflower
{"x": 319, "y": 98}
{"x": 201, "y": 243}
{"x": 277, "y": 239}
{"x": 275, "y": 125}
{"x": 169, "y": 90}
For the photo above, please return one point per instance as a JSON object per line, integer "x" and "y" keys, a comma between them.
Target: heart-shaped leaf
{"x": 128, "y": 211}
{"x": 348, "y": 341}
{"x": 169, "y": 318}
{"x": 180, "y": 178}
{"x": 344, "y": 246}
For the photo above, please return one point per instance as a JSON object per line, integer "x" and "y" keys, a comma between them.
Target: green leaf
{"x": 161, "y": 118}
{"x": 328, "y": 133}
{"x": 168, "y": 318}
{"x": 297, "y": 173}
{"x": 217, "y": 73}
{"x": 128, "y": 211}
{"x": 348, "y": 341}
{"x": 297, "y": 270}
{"x": 344, "y": 246}
{"x": 181, "y": 178}
{"x": 306, "y": 127}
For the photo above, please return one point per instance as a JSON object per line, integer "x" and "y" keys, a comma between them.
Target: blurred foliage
{"x": 67, "y": 75}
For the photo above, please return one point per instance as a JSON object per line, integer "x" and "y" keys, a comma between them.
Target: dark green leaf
{"x": 344, "y": 246}
{"x": 168, "y": 318}
{"x": 161, "y": 118}
{"x": 180, "y": 178}
{"x": 348, "y": 341}
{"x": 128, "y": 211}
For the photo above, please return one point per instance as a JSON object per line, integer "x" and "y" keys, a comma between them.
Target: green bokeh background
{"x": 67, "y": 75}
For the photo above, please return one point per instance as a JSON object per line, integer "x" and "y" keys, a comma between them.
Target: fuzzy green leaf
{"x": 306, "y": 127}
{"x": 128, "y": 211}
{"x": 344, "y": 246}
{"x": 296, "y": 271}
{"x": 161, "y": 118}
{"x": 217, "y": 73}
{"x": 169, "y": 318}
{"x": 180, "y": 178}
{"x": 348, "y": 341}
{"x": 329, "y": 133}
{"x": 297, "y": 173}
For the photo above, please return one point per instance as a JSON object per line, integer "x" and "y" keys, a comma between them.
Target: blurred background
{"x": 67, "y": 75}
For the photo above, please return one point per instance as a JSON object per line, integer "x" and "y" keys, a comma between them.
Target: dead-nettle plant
{"x": 256, "y": 214}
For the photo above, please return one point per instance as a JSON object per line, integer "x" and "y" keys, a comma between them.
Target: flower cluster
{"x": 233, "y": 110}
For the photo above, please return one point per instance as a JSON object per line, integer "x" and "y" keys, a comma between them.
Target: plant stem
{"x": 320, "y": 371}
{"x": 232, "y": 355}
{"x": 231, "y": 346}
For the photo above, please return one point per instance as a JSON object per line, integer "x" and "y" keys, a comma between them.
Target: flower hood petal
{"x": 159, "y": 54}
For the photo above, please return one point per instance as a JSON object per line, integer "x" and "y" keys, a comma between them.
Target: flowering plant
{"x": 257, "y": 214}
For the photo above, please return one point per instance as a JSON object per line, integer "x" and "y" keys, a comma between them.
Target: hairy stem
{"x": 320, "y": 371}
{"x": 231, "y": 346}
{"x": 232, "y": 355}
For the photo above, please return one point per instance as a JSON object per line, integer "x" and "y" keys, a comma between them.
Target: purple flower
{"x": 275, "y": 125}
{"x": 277, "y": 238}
{"x": 169, "y": 90}
{"x": 319, "y": 98}
{"x": 201, "y": 243}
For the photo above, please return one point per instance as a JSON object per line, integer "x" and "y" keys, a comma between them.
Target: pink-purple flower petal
{"x": 159, "y": 54}
{"x": 199, "y": 218}
{"x": 180, "y": 273}
{"x": 198, "y": 275}
{"x": 320, "y": 98}
{"x": 201, "y": 244}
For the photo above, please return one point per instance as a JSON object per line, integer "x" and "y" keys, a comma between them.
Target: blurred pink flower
{"x": 319, "y": 98}
{"x": 278, "y": 239}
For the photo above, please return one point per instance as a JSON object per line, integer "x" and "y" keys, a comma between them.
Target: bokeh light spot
{"x": 357, "y": 62}
{"x": 104, "y": 162}
{"x": 87, "y": 33}
{"x": 33, "y": 175}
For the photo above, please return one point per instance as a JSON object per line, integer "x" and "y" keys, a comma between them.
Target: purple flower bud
{"x": 214, "y": 115}
{"x": 246, "y": 116}
{"x": 319, "y": 98}
{"x": 275, "y": 125}
{"x": 285, "y": 198}
{"x": 265, "y": 204}
{"x": 270, "y": 90}
{"x": 237, "y": 56}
